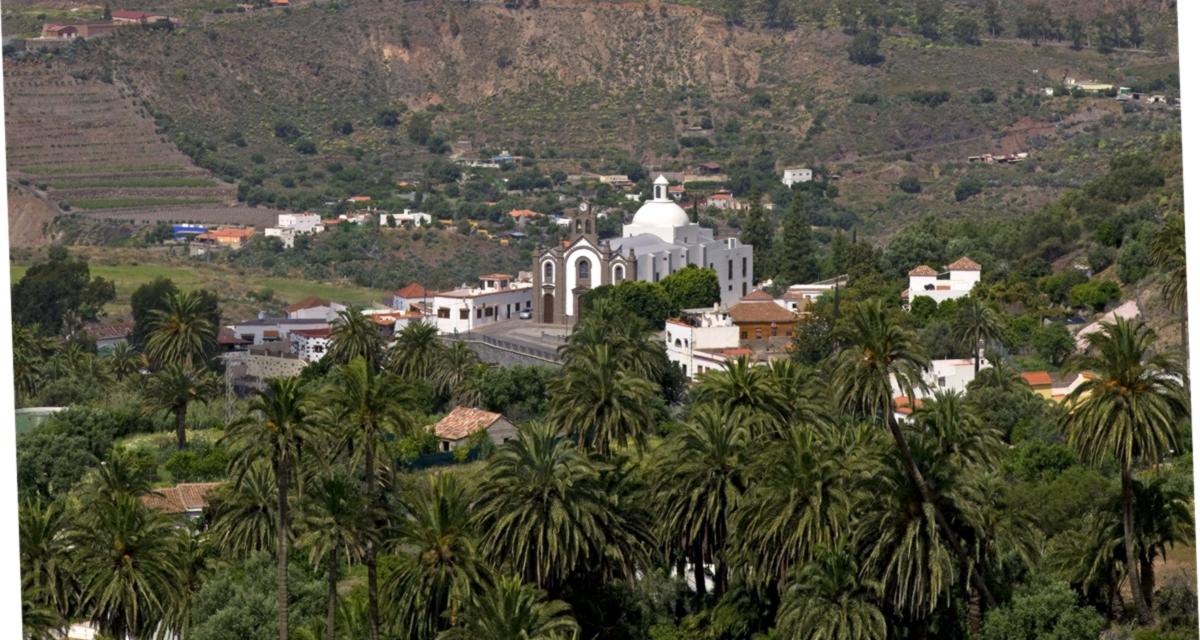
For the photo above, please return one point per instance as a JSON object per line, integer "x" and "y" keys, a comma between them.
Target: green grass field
{"x": 231, "y": 286}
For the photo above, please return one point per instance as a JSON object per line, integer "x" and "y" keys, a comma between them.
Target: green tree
{"x": 1167, "y": 252}
{"x": 878, "y": 350}
{"x": 353, "y": 335}
{"x": 991, "y": 17}
{"x": 244, "y": 512}
{"x": 126, "y": 559}
{"x": 692, "y": 287}
{"x": 864, "y": 48}
{"x": 546, "y": 512}
{"x": 175, "y": 388}
{"x": 47, "y": 577}
{"x": 59, "y": 294}
{"x": 966, "y": 31}
{"x": 928, "y": 14}
{"x": 700, "y": 483}
{"x": 1042, "y": 611}
{"x": 416, "y": 351}
{"x": 796, "y": 260}
{"x": 599, "y": 404}
{"x": 123, "y": 361}
{"x": 741, "y": 385}
{"x": 1053, "y": 342}
{"x": 371, "y": 409}
{"x": 977, "y": 327}
{"x": 180, "y": 332}
{"x": 277, "y": 425}
{"x": 512, "y": 610}
{"x": 829, "y": 598}
{"x": 442, "y": 567}
{"x": 1130, "y": 412}
{"x": 757, "y": 230}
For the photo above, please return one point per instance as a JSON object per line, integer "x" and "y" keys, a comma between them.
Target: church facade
{"x": 659, "y": 241}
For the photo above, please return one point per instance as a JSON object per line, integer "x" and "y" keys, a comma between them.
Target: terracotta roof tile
{"x": 313, "y": 333}
{"x": 760, "y": 312}
{"x": 923, "y": 270}
{"x": 463, "y": 421}
{"x": 758, "y": 295}
{"x": 1037, "y": 378}
{"x": 413, "y": 290}
{"x": 964, "y": 264}
{"x": 308, "y": 303}
{"x": 181, "y": 498}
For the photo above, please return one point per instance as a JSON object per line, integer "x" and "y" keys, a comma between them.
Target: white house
{"x": 496, "y": 299}
{"x": 411, "y": 296}
{"x": 949, "y": 375}
{"x": 314, "y": 308}
{"x": 310, "y": 344}
{"x": 408, "y": 218}
{"x": 794, "y": 176}
{"x": 798, "y": 296}
{"x": 955, "y": 282}
{"x": 290, "y": 225}
{"x": 701, "y": 340}
{"x": 268, "y": 330}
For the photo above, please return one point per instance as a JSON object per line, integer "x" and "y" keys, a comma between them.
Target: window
{"x": 583, "y": 270}
{"x": 743, "y": 266}
{"x": 743, "y": 289}
{"x": 547, "y": 271}
{"x": 478, "y": 313}
{"x": 463, "y": 314}
{"x": 731, "y": 268}
{"x": 743, "y": 335}
{"x": 489, "y": 311}
{"x": 578, "y": 226}
{"x": 774, "y": 331}
{"x": 618, "y": 273}
{"x": 758, "y": 333}
{"x": 443, "y": 312}
{"x": 587, "y": 226}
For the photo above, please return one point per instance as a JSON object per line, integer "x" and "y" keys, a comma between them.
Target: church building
{"x": 659, "y": 241}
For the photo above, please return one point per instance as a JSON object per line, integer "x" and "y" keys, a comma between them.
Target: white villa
{"x": 955, "y": 282}
{"x": 408, "y": 218}
{"x": 794, "y": 176}
{"x": 702, "y": 340}
{"x": 310, "y": 344}
{"x": 497, "y": 298}
{"x": 290, "y": 225}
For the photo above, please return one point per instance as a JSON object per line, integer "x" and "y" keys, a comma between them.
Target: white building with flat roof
{"x": 497, "y": 298}
{"x": 289, "y": 225}
{"x": 797, "y": 175}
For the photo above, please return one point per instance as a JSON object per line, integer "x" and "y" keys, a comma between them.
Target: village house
{"x": 523, "y": 216}
{"x": 798, "y": 296}
{"x": 701, "y": 340}
{"x": 310, "y": 345}
{"x": 497, "y": 298}
{"x": 759, "y": 317}
{"x": 314, "y": 308}
{"x": 708, "y": 168}
{"x": 139, "y": 17}
{"x": 796, "y": 176}
{"x": 290, "y": 225}
{"x": 406, "y": 218}
{"x": 1041, "y": 383}
{"x": 461, "y": 423}
{"x": 956, "y": 282}
{"x": 188, "y": 499}
{"x": 676, "y": 192}
{"x": 722, "y": 200}
{"x": 616, "y": 182}
{"x": 273, "y": 330}
{"x": 228, "y": 237}
{"x": 411, "y": 297}
{"x": 108, "y": 334}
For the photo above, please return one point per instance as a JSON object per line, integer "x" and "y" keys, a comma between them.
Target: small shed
{"x": 463, "y": 422}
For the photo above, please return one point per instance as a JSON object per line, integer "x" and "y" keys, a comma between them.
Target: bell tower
{"x": 583, "y": 223}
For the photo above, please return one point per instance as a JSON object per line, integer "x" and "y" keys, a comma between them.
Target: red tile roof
{"x": 1037, "y": 378}
{"x": 524, "y": 213}
{"x": 760, "y": 312}
{"x": 758, "y": 295}
{"x": 181, "y": 498}
{"x": 964, "y": 264}
{"x": 464, "y": 421}
{"x": 902, "y": 406}
{"x": 922, "y": 270}
{"x": 227, "y": 336}
{"x": 313, "y": 333}
{"x": 495, "y": 276}
{"x": 413, "y": 290}
{"x": 310, "y": 302}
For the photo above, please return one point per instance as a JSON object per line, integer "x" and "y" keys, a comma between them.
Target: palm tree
{"x": 741, "y": 385}
{"x": 127, "y": 562}
{"x": 124, "y": 361}
{"x": 1163, "y": 519}
{"x": 244, "y": 512}
{"x": 600, "y": 404}
{"x": 442, "y": 567}
{"x": 1168, "y": 254}
{"x": 976, "y": 326}
{"x": 415, "y": 351}
{"x": 45, "y": 572}
{"x": 1000, "y": 376}
{"x": 372, "y": 409}
{"x": 512, "y": 610}
{"x": 193, "y": 561}
{"x": 180, "y": 333}
{"x": 338, "y": 522}
{"x": 1129, "y": 411}
{"x": 275, "y": 429}
{"x": 456, "y": 366}
{"x": 30, "y": 349}
{"x": 175, "y": 388}
{"x": 700, "y": 484}
{"x": 799, "y": 500}
{"x": 631, "y": 343}
{"x": 831, "y": 600}
{"x": 877, "y": 351}
{"x": 355, "y": 336}
{"x": 545, "y": 511}
{"x": 803, "y": 390}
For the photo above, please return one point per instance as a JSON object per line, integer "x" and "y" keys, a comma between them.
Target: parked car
{"x": 526, "y": 315}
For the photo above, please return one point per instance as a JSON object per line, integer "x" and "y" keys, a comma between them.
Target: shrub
{"x": 760, "y": 100}
{"x": 966, "y": 188}
{"x": 286, "y": 131}
{"x": 1133, "y": 262}
{"x": 910, "y": 184}
{"x": 929, "y": 98}
{"x": 198, "y": 463}
{"x": 865, "y": 98}
{"x": 864, "y": 48}
{"x": 1048, "y": 611}
{"x": 985, "y": 95}
{"x": 387, "y": 118}
{"x": 1095, "y": 294}
{"x": 307, "y": 147}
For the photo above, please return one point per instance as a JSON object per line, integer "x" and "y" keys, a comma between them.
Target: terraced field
{"x": 90, "y": 147}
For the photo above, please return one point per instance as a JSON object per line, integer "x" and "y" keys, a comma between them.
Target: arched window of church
{"x": 618, "y": 273}
{"x": 578, "y": 226}
{"x": 548, "y": 271}
{"x": 584, "y": 271}
{"x": 587, "y": 226}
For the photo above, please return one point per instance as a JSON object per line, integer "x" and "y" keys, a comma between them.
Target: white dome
{"x": 661, "y": 213}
